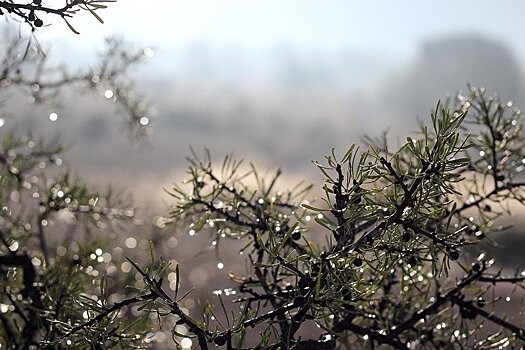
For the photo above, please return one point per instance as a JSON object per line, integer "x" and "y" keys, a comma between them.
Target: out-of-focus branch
{"x": 109, "y": 78}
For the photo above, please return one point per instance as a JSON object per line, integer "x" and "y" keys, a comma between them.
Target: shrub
{"x": 392, "y": 256}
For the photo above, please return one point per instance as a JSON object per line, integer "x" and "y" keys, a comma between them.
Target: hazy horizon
{"x": 279, "y": 84}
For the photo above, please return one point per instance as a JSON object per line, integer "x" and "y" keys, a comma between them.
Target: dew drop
{"x": 36, "y": 262}
{"x": 186, "y": 343}
{"x": 149, "y": 52}
{"x": 144, "y": 121}
{"x": 13, "y": 247}
{"x": 131, "y": 242}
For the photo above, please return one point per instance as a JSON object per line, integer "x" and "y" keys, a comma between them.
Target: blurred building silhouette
{"x": 444, "y": 66}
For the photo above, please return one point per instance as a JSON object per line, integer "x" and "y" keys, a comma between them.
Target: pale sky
{"x": 394, "y": 26}
{"x": 198, "y": 112}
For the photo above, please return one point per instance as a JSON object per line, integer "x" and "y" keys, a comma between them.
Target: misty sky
{"x": 276, "y": 82}
{"x": 280, "y": 82}
{"x": 393, "y": 26}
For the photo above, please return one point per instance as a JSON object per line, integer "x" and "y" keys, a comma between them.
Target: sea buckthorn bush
{"x": 392, "y": 256}
{"x": 395, "y": 254}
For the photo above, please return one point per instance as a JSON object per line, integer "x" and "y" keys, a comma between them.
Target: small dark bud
{"x": 38, "y": 22}
{"x": 358, "y": 262}
{"x": 406, "y": 237}
{"x": 299, "y": 301}
{"x": 453, "y": 254}
{"x": 412, "y": 261}
{"x": 476, "y": 267}
{"x": 345, "y": 292}
{"x": 37, "y": 2}
{"x": 297, "y": 318}
{"x": 296, "y": 235}
{"x": 356, "y": 200}
{"x": 304, "y": 283}
{"x": 481, "y": 302}
{"x": 220, "y": 339}
{"x": 487, "y": 208}
{"x": 31, "y": 16}
{"x": 467, "y": 313}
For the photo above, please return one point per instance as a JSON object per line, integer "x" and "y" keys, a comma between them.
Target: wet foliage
{"x": 26, "y": 70}
{"x": 392, "y": 256}
{"x": 49, "y": 284}
{"x": 403, "y": 264}
{"x": 61, "y": 260}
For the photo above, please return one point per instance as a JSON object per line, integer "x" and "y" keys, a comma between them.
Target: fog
{"x": 278, "y": 107}
{"x": 276, "y": 84}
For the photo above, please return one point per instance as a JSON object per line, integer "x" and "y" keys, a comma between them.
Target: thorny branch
{"x": 387, "y": 272}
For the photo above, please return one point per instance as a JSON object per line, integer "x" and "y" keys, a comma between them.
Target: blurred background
{"x": 276, "y": 83}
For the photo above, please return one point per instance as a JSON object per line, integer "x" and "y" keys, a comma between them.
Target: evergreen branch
{"x": 115, "y": 307}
